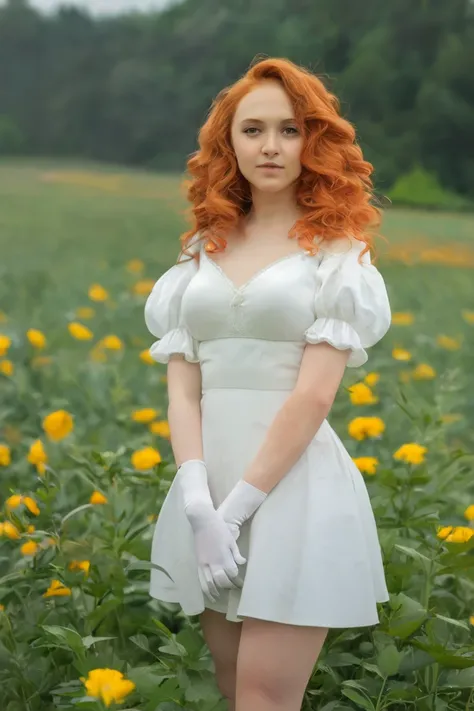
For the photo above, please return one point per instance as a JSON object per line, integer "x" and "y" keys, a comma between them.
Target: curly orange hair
{"x": 334, "y": 186}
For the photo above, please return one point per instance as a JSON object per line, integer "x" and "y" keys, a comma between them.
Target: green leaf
{"x": 358, "y": 699}
{"x": 463, "y": 679}
{"x": 163, "y": 628}
{"x": 97, "y": 615}
{"x": 89, "y": 640}
{"x": 444, "y": 656}
{"x": 456, "y": 623}
{"x": 67, "y": 636}
{"x": 389, "y": 660}
{"x": 75, "y": 511}
{"x": 141, "y": 641}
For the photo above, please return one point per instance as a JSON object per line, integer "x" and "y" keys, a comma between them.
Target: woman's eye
{"x": 252, "y": 128}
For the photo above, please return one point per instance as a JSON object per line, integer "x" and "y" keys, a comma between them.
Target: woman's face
{"x": 264, "y": 129}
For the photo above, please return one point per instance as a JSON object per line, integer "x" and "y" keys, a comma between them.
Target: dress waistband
{"x": 250, "y": 363}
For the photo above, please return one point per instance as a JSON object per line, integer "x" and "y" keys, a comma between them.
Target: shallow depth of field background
{"x": 97, "y": 118}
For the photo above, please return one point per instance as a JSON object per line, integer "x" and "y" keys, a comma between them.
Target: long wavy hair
{"x": 334, "y": 188}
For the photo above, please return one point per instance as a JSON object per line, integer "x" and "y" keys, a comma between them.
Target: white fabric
{"x": 240, "y": 505}
{"x": 217, "y": 553}
{"x": 312, "y": 550}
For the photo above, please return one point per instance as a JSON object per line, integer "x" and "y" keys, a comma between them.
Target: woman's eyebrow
{"x": 256, "y": 120}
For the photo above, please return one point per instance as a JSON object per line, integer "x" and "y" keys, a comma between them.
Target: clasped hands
{"x": 216, "y": 530}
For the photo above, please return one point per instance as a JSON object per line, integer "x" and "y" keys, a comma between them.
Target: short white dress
{"x": 312, "y": 548}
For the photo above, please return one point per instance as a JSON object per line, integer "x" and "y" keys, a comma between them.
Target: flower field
{"x": 85, "y": 458}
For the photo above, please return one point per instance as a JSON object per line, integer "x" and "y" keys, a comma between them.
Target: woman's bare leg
{"x": 274, "y": 664}
{"x": 222, "y": 637}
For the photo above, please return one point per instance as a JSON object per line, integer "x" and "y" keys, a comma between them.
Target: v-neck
{"x": 257, "y": 274}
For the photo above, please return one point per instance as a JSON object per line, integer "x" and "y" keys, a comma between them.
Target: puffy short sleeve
{"x": 351, "y": 303}
{"x": 163, "y": 313}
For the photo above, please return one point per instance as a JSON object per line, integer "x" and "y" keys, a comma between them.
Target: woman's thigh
{"x": 274, "y": 664}
{"x": 222, "y": 637}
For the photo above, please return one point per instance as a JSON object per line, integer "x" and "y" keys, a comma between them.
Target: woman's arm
{"x": 298, "y": 420}
{"x": 184, "y": 409}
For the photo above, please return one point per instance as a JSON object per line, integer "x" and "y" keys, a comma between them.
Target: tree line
{"x": 135, "y": 88}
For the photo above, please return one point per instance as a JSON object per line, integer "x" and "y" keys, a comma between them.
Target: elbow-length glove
{"x": 240, "y": 504}
{"x": 216, "y": 550}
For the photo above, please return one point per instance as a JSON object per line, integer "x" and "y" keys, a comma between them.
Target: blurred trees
{"x": 135, "y": 88}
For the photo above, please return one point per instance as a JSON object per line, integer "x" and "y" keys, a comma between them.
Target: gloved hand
{"x": 240, "y": 504}
{"x": 216, "y": 550}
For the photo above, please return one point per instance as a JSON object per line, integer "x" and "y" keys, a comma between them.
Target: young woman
{"x": 267, "y": 531}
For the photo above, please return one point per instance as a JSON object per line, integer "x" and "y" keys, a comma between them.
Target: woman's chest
{"x": 275, "y": 303}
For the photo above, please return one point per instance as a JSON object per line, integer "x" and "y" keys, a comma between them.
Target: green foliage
{"x": 83, "y": 224}
{"x": 12, "y": 140}
{"x": 421, "y": 188}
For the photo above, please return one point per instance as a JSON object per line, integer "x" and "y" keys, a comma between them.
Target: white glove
{"x": 240, "y": 504}
{"x": 216, "y": 550}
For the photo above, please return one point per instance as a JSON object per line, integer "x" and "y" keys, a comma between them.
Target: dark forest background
{"x": 133, "y": 89}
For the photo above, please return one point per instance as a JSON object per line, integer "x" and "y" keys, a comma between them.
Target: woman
{"x": 267, "y": 531}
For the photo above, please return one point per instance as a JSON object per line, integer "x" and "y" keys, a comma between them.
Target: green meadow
{"x": 85, "y": 457}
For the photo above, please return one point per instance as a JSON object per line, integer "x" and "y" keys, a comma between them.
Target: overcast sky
{"x": 103, "y": 6}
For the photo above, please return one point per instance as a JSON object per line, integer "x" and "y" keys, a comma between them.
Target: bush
{"x": 12, "y": 139}
{"x": 422, "y": 189}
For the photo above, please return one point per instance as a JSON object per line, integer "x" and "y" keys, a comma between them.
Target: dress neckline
{"x": 258, "y": 273}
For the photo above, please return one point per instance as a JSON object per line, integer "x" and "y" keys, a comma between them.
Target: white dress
{"x": 312, "y": 549}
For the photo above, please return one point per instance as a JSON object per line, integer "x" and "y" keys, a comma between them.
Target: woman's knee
{"x": 275, "y": 661}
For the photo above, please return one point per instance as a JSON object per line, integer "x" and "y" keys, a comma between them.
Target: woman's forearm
{"x": 290, "y": 433}
{"x": 184, "y": 419}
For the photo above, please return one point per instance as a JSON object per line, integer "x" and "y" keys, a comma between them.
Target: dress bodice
{"x": 261, "y": 328}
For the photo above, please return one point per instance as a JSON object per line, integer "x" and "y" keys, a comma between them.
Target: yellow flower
{"x": 146, "y": 458}
{"x": 402, "y": 318}
{"x": 147, "y": 414}
{"x": 362, "y": 427}
{"x": 10, "y": 530}
{"x": 6, "y": 367}
{"x": 97, "y": 354}
{"x": 79, "y": 331}
{"x": 36, "y": 338}
{"x": 367, "y": 465}
{"x": 451, "y": 344}
{"x": 113, "y": 343}
{"x": 361, "y": 394}
{"x": 12, "y": 434}
{"x": 108, "y": 685}
{"x": 85, "y": 312}
{"x": 451, "y": 417}
{"x": 30, "y": 528}
{"x": 57, "y": 589}
{"x": 160, "y": 428}
{"x": 405, "y": 376}
{"x": 29, "y": 548}
{"x": 401, "y": 354}
{"x": 145, "y": 356}
{"x": 411, "y": 453}
{"x": 80, "y": 565}
{"x": 98, "y": 293}
{"x": 58, "y": 425}
{"x": 5, "y": 455}
{"x": 143, "y": 287}
{"x": 469, "y": 513}
{"x": 31, "y": 505}
{"x": 40, "y": 361}
{"x": 455, "y": 534}
{"x": 423, "y": 371}
{"x": 2, "y": 608}
{"x": 468, "y": 316}
{"x": 135, "y": 266}
{"x": 471, "y": 619}
{"x": 5, "y": 343}
{"x": 372, "y": 379}
{"x": 13, "y": 502}
{"x": 97, "y": 498}
{"x": 38, "y": 456}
